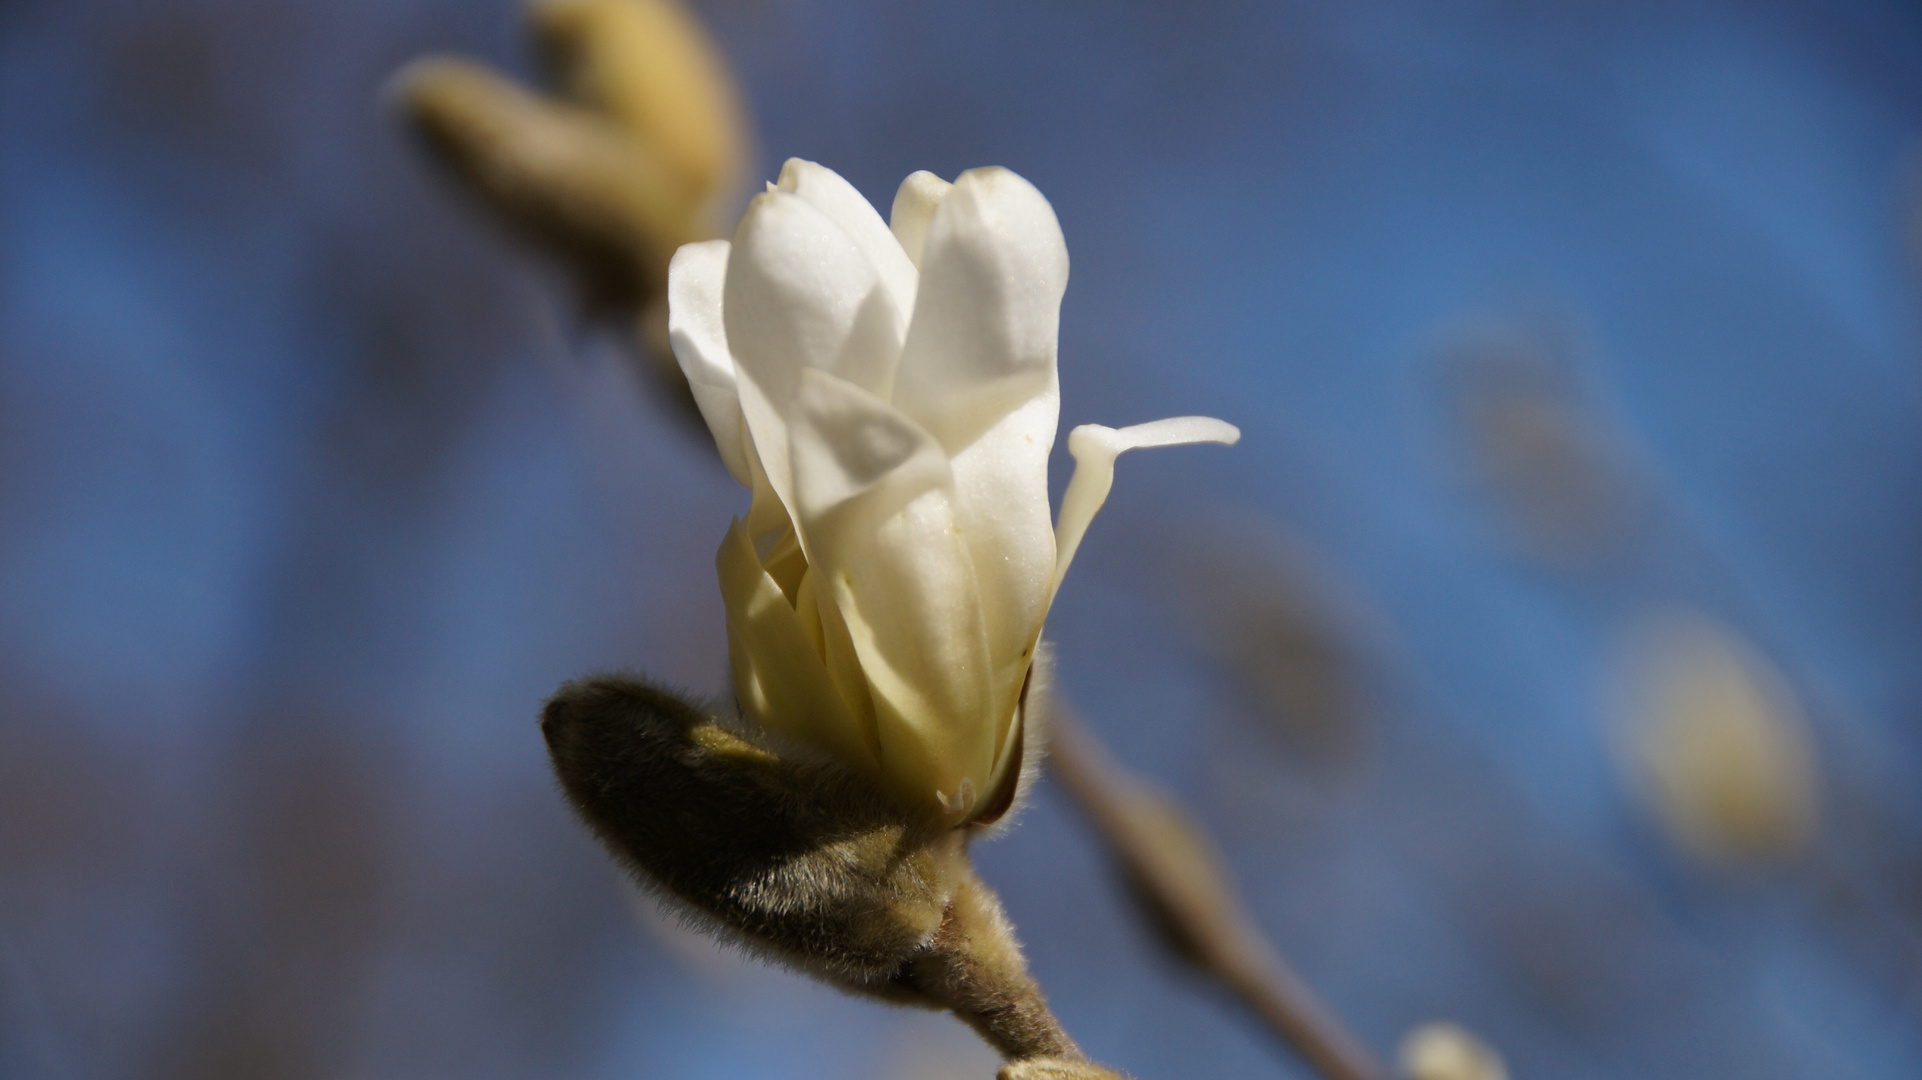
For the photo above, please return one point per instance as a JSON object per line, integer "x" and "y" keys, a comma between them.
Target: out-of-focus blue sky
{"x": 312, "y": 487}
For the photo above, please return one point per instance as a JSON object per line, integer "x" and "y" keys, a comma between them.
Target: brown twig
{"x": 1175, "y": 872}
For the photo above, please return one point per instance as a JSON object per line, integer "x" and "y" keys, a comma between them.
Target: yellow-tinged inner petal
{"x": 875, "y": 497}
{"x": 907, "y": 600}
{"x": 780, "y": 679}
{"x": 843, "y": 663}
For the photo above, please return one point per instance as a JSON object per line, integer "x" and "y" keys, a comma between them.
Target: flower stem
{"x": 974, "y": 967}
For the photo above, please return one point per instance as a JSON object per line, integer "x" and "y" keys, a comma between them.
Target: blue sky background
{"x": 312, "y": 488}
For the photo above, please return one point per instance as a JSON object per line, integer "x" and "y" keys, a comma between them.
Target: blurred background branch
{"x": 1184, "y": 890}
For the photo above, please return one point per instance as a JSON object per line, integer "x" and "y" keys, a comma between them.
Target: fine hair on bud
{"x": 1036, "y": 703}
{"x": 797, "y": 858}
{"x": 1056, "y": 1069}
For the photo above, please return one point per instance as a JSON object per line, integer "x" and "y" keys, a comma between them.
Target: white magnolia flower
{"x": 887, "y": 391}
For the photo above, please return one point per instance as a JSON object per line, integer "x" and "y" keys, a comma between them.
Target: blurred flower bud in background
{"x": 645, "y": 149}
{"x": 1265, "y": 607}
{"x": 650, "y": 66}
{"x": 1533, "y": 446}
{"x": 1442, "y": 1051}
{"x": 1714, "y": 741}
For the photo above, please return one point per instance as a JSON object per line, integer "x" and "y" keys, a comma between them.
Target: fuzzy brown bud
{"x": 796, "y": 857}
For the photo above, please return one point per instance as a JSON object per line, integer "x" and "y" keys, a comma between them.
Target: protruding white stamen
{"x": 1094, "y": 448}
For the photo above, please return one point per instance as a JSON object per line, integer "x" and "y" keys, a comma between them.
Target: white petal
{"x": 1095, "y": 447}
{"x": 695, "y": 279}
{"x": 1001, "y": 489}
{"x": 982, "y": 341}
{"x": 800, "y": 294}
{"x": 874, "y": 496}
{"x": 979, "y": 371}
{"x": 848, "y": 445}
{"x": 779, "y": 676}
{"x": 914, "y": 203}
{"x": 827, "y": 192}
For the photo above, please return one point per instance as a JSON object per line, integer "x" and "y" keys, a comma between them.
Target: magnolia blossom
{"x": 887, "y": 391}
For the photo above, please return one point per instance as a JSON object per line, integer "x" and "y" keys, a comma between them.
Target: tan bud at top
{"x": 1444, "y": 1051}
{"x": 566, "y": 177}
{"x": 1717, "y": 743}
{"x": 650, "y": 66}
